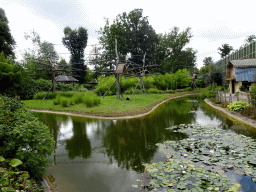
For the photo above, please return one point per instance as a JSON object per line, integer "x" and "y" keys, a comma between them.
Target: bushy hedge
{"x": 24, "y": 137}
{"x": 209, "y": 91}
{"x": 88, "y": 98}
{"x": 179, "y": 80}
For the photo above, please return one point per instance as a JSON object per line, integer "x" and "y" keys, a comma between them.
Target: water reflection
{"x": 109, "y": 152}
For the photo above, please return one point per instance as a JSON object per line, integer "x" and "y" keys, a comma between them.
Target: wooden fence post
{"x": 217, "y": 94}
{"x": 230, "y": 98}
{"x": 237, "y": 96}
{"x": 225, "y": 96}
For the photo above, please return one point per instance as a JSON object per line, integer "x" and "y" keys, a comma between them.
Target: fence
{"x": 248, "y": 51}
{"x": 230, "y": 98}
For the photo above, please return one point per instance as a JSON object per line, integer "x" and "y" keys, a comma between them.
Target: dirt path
{"x": 102, "y": 117}
{"x": 232, "y": 114}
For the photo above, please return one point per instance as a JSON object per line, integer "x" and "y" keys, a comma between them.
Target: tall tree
{"x": 76, "y": 42}
{"x": 134, "y": 36}
{"x": 171, "y": 52}
{"x": 47, "y": 51}
{"x": 207, "y": 61}
{"x": 225, "y": 49}
{"x": 250, "y": 39}
{"x": 6, "y": 40}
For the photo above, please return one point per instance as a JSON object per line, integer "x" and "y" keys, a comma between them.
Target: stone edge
{"x": 234, "y": 115}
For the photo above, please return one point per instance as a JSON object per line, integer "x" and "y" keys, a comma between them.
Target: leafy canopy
{"x": 6, "y": 40}
{"x": 171, "y": 52}
{"x": 134, "y": 35}
{"x": 76, "y": 42}
{"x": 225, "y": 49}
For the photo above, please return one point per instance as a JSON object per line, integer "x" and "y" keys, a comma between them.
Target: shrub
{"x": 12, "y": 179}
{"x": 91, "y": 99}
{"x": 170, "y": 91}
{"x": 39, "y": 95}
{"x": 64, "y": 101}
{"x": 188, "y": 88}
{"x": 237, "y": 106}
{"x": 220, "y": 88}
{"x": 24, "y": 137}
{"x": 56, "y": 101}
{"x": 249, "y": 112}
{"x": 152, "y": 90}
{"x": 77, "y": 98}
{"x": 253, "y": 95}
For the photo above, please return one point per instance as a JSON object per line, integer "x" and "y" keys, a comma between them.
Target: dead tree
{"x": 129, "y": 70}
{"x": 52, "y": 68}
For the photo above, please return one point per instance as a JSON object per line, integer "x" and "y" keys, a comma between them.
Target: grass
{"x": 109, "y": 106}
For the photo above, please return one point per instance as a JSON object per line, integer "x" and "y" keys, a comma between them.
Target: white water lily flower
{"x": 183, "y": 172}
{"x": 212, "y": 151}
{"x": 185, "y": 155}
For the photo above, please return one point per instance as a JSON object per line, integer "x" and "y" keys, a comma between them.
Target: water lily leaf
{"x": 15, "y": 162}
{"x": 181, "y": 186}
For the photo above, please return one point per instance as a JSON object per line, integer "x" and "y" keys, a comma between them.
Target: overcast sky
{"x": 213, "y": 23}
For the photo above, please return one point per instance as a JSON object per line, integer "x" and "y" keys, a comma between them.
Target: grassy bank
{"x": 109, "y": 106}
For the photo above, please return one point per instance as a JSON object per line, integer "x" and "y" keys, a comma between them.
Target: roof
{"x": 245, "y": 74}
{"x": 243, "y": 63}
{"x": 65, "y": 78}
{"x": 121, "y": 68}
{"x": 94, "y": 81}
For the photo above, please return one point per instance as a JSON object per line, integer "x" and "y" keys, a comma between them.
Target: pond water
{"x": 107, "y": 155}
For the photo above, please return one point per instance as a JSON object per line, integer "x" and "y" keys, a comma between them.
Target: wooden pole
{"x": 108, "y": 89}
{"x": 117, "y": 87}
{"x": 135, "y": 87}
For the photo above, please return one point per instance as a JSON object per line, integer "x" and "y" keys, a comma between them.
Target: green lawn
{"x": 109, "y": 106}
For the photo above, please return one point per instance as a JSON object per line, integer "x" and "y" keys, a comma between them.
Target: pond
{"x": 108, "y": 155}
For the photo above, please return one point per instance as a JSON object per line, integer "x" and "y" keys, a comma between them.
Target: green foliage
{"x": 180, "y": 79}
{"x": 76, "y": 42}
{"x": 253, "y": 95}
{"x": 209, "y": 91}
{"x": 70, "y": 98}
{"x": 153, "y": 90}
{"x": 220, "y": 88}
{"x": 171, "y": 52}
{"x": 237, "y": 106}
{"x": 90, "y": 99}
{"x": 14, "y": 81}
{"x": 249, "y": 112}
{"x": 133, "y": 33}
{"x": 188, "y": 89}
{"x": 56, "y": 101}
{"x": 23, "y": 137}
{"x": 225, "y": 49}
{"x": 12, "y": 179}
{"x": 64, "y": 101}
{"x": 6, "y": 40}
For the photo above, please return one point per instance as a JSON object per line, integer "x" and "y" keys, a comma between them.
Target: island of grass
{"x": 77, "y": 103}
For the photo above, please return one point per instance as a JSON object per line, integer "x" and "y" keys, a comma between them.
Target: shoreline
{"x": 114, "y": 117}
{"x": 233, "y": 114}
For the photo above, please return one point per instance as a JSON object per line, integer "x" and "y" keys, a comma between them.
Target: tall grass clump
{"x": 64, "y": 101}
{"x": 209, "y": 91}
{"x": 77, "y": 98}
{"x": 90, "y": 99}
{"x": 56, "y": 101}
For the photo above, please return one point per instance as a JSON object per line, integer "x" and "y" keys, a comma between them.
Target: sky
{"x": 213, "y": 23}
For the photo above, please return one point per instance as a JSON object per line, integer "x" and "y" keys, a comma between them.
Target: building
{"x": 240, "y": 72}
